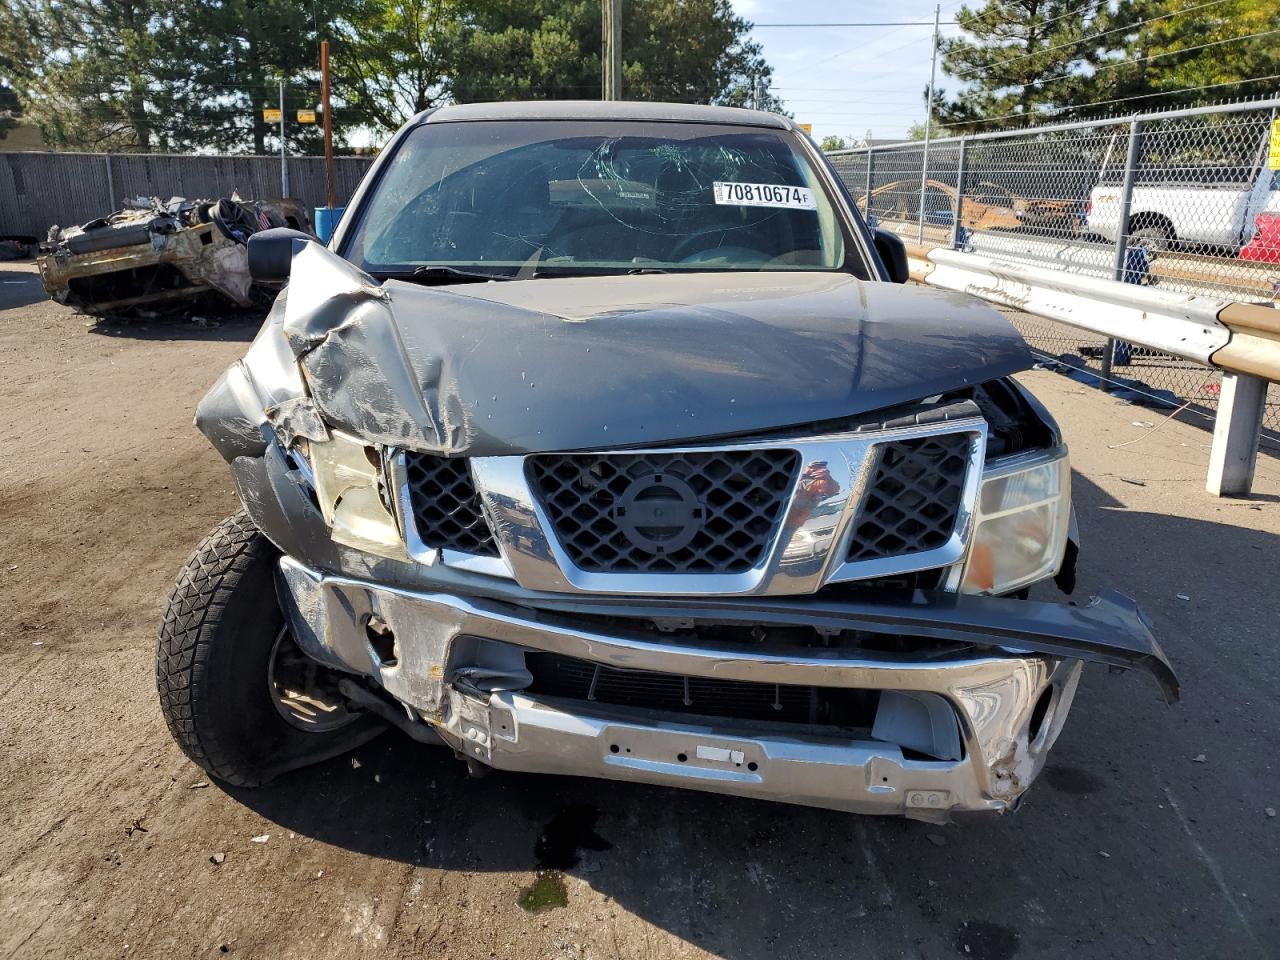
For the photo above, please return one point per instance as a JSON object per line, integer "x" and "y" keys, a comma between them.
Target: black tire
{"x": 217, "y": 640}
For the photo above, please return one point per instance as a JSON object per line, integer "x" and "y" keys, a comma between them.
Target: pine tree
{"x": 1019, "y": 59}
{"x": 1187, "y": 51}
{"x": 224, "y": 62}
{"x": 92, "y": 86}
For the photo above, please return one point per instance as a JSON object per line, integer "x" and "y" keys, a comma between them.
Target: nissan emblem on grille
{"x": 659, "y": 513}
{"x": 693, "y": 511}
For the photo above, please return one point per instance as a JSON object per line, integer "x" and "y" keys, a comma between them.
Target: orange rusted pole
{"x": 328, "y": 124}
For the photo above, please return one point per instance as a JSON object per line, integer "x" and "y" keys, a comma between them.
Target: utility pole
{"x": 284, "y": 163}
{"x": 928, "y": 120}
{"x": 611, "y": 49}
{"x": 328, "y": 125}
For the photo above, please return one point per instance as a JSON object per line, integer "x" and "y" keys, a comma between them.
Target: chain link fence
{"x": 1182, "y": 200}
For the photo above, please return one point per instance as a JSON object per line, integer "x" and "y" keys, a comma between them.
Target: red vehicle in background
{"x": 1265, "y": 245}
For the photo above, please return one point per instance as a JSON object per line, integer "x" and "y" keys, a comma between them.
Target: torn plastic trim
{"x": 297, "y": 417}
{"x": 1110, "y": 629}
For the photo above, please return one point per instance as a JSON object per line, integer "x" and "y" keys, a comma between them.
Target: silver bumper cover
{"x": 458, "y": 667}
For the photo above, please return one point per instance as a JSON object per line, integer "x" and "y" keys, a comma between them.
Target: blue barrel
{"x": 326, "y": 220}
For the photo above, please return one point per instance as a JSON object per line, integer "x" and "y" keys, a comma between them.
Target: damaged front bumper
{"x": 956, "y": 727}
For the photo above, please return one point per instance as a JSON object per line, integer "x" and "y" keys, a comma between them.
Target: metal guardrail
{"x": 1239, "y": 338}
{"x": 1179, "y": 324}
{"x": 1242, "y": 341}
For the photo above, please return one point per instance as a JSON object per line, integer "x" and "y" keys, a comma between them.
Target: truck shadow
{"x": 748, "y": 879}
{"x": 210, "y": 326}
{"x": 20, "y": 284}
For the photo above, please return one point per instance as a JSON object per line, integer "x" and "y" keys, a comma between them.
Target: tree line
{"x": 181, "y": 75}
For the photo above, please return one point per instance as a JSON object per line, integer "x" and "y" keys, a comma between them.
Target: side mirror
{"x": 271, "y": 253}
{"x": 892, "y": 252}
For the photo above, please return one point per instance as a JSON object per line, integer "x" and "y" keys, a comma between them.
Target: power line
{"x": 911, "y": 100}
{"x": 1099, "y": 103}
{"x": 880, "y": 23}
{"x": 1170, "y": 53}
{"x": 1111, "y": 65}
{"x": 1070, "y": 13}
{"x": 849, "y": 113}
{"x": 1132, "y": 26}
{"x": 844, "y": 53}
{"x": 855, "y": 89}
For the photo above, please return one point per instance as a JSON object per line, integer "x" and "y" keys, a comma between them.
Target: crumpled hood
{"x": 516, "y": 367}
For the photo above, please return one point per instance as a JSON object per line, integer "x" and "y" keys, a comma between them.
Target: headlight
{"x": 346, "y": 476}
{"x": 1020, "y": 531}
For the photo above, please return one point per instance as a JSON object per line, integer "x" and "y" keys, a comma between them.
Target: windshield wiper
{"x": 438, "y": 275}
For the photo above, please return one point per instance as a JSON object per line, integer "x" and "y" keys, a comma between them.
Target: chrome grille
{"x": 725, "y": 508}
{"x": 914, "y": 498}
{"x": 446, "y": 508}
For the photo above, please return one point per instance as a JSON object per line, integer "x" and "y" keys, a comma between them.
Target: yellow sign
{"x": 1273, "y": 155}
{"x": 806, "y": 127}
{"x": 306, "y": 116}
{"x": 271, "y": 114}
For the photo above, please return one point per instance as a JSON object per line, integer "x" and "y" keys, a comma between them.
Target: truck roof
{"x": 618, "y": 110}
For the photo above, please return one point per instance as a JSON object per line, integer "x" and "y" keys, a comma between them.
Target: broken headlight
{"x": 1020, "y": 530}
{"x": 348, "y": 482}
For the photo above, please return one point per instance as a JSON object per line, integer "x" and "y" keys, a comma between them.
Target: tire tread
{"x": 191, "y": 620}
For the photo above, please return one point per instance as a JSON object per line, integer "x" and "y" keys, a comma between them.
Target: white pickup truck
{"x": 1193, "y": 215}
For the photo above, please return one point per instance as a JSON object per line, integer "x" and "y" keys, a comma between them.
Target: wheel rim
{"x": 304, "y": 693}
{"x": 1153, "y": 241}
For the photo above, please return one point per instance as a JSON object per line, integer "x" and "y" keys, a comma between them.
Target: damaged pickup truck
{"x": 156, "y": 254}
{"x": 605, "y": 441}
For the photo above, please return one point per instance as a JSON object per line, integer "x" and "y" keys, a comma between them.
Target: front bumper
{"x": 458, "y": 668}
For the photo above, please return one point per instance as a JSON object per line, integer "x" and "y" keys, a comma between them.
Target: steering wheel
{"x": 735, "y": 254}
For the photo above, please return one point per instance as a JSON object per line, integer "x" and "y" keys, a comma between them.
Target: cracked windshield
{"x": 522, "y": 199}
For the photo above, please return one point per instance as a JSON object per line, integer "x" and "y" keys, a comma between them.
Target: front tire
{"x": 222, "y": 652}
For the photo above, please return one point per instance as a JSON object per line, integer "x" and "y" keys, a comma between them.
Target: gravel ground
{"x": 1151, "y": 834}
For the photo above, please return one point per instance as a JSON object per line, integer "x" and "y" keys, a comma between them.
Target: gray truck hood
{"x": 533, "y": 365}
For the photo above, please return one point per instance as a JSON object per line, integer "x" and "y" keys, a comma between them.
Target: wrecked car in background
{"x": 155, "y": 253}
{"x": 605, "y": 441}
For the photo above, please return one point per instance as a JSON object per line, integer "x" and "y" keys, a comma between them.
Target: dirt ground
{"x": 1151, "y": 834}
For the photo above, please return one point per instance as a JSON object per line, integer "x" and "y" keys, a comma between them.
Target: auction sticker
{"x": 764, "y": 195}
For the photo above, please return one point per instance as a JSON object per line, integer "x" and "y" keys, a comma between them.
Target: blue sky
{"x": 848, "y": 81}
